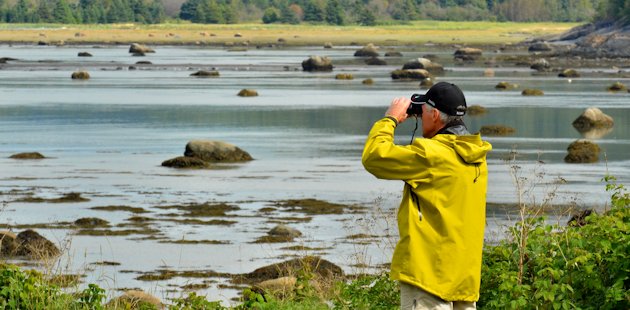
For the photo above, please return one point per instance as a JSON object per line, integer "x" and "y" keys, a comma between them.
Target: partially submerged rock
{"x": 186, "y": 162}
{"x": 475, "y": 110}
{"x": 582, "y": 151}
{"x": 505, "y": 85}
{"x": 393, "y": 54}
{"x": 496, "y": 130}
{"x": 467, "y": 54}
{"x": 91, "y": 222}
{"x": 367, "y": 81}
{"x": 140, "y": 49}
{"x": 617, "y": 86}
{"x": 215, "y": 151}
{"x": 532, "y": 92}
{"x": 375, "y": 61}
{"x": 27, "y": 155}
{"x": 317, "y": 63}
{"x": 569, "y": 73}
{"x": 84, "y": 54}
{"x": 80, "y": 75}
{"x": 411, "y": 74}
{"x": 284, "y": 230}
{"x": 344, "y": 76}
{"x": 368, "y": 50}
{"x": 205, "y": 73}
{"x": 424, "y": 63}
{"x": 246, "y": 92}
{"x": 592, "y": 118}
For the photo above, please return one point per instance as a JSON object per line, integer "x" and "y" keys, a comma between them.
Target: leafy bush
{"x": 566, "y": 267}
{"x": 369, "y": 292}
{"x": 25, "y": 289}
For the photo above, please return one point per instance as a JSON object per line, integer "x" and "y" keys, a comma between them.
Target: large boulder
{"x": 284, "y": 230}
{"x": 467, "y": 53}
{"x": 7, "y": 242}
{"x": 367, "y": 51}
{"x": 137, "y": 48}
{"x": 411, "y": 74}
{"x": 424, "y": 63}
{"x": 317, "y": 63}
{"x": 592, "y": 118}
{"x": 569, "y": 73}
{"x": 582, "y": 151}
{"x": 617, "y": 86}
{"x": 215, "y": 151}
{"x": 135, "y": 299}
{"x": 312, "y": 264}
{"x": 30, "y": 243}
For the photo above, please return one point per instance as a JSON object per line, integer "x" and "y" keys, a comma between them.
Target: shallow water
{"x": 107, "y": 136}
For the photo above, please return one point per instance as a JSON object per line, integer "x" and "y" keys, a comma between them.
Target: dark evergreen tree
{"x": 287, "y": 16}
{"x": 334, "y": 13}
{"x": 366, "y": 17}
{"x": 62, "y": 13}
{"x": 313, "y": 11}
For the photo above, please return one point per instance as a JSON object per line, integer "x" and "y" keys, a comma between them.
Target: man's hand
{"x": 398, "y": 109}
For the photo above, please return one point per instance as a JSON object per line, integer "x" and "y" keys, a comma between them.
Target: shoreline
{"x": 417, "y": 33}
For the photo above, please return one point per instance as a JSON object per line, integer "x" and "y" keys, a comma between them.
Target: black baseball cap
{"x": 445, "y": 97}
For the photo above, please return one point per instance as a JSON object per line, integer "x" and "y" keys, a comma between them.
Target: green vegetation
{"x": 333, "y": 12}
{"x": 584, "y": 265}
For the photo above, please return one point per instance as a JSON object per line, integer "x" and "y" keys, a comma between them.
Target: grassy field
{"x": 415, "y": 33}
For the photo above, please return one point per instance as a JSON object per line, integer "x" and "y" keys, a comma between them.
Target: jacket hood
{"x": 470, "y": 148}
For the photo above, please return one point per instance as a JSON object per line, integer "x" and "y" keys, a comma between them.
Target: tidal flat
{"x": 174, "y": 230}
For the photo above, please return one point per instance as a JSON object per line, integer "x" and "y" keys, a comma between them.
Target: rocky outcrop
{"x": 215, "y": 151}
{"x": 137, "y": 48}
{"x": 467, "y": 54}
{"x": 592, "y": 118}
{"x": 27, "y": 155}
{"x": 411, "y": 74}
{"x": 601, "y": 39}
{"x": 317, "y": 63}
{"x": 424, "y": 63}
{"x": 367, "y": 51}
{"x": 582, "y": 151}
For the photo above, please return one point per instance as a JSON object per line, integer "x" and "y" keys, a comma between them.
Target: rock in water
{"x": 215, "y": 151}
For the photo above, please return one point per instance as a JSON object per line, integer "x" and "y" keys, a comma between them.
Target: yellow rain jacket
{"x": 441, "y": 218}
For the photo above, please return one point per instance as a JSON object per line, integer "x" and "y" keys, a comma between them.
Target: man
{"x": 441, "y": 218}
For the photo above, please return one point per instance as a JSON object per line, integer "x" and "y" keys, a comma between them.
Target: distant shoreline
{"x": 414, "y": 34}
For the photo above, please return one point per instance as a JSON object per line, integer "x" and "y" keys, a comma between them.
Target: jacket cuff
{"x": 392, "y": 118}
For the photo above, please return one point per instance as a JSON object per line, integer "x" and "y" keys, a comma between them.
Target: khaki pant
{"x": 414, "y": 298}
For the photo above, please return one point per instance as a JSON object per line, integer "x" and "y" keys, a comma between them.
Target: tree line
{"x": 336, "y": 12}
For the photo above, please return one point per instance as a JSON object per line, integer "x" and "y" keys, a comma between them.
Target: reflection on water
{"x": 107, "y": 136}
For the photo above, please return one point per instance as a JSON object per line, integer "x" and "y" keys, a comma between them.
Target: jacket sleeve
{"x": 386, "y": 160}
